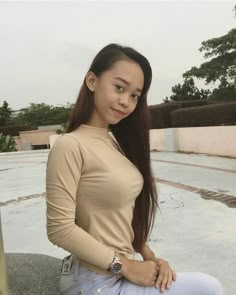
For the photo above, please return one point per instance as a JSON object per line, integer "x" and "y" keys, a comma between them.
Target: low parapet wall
{"x": 215, "y": 140}
{"x": 27, "y": 139}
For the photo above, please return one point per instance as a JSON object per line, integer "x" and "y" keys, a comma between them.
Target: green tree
{"x": 5, "y": 113}
{"x": 221, "y": 67}
{"x": 42, "y": 114}
{"x": 187, "y": 91}
{"x": 225, "y": 91}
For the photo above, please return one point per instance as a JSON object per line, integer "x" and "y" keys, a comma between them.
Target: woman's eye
{"x": 120, "y": 88}
{"x": 135, "y": 96}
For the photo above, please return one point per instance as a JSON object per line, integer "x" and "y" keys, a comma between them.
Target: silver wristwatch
{"x": 115, "y": 266}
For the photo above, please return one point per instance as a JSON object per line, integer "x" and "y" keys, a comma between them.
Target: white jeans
{"x": 81, "y": 281}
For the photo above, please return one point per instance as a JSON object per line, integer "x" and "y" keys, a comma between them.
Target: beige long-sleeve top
{"x": 91, "y": 189}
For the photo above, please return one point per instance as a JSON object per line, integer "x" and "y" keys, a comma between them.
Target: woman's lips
{"x": 119, "y": 112}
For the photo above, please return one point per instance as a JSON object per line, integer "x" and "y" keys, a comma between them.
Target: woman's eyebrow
{"x": 126, "y": 82}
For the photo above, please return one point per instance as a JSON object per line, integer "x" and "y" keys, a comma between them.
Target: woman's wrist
{"x": 147, "y": 253}
{"x": 125, "y": 265}
{"x": 119, "y": 265}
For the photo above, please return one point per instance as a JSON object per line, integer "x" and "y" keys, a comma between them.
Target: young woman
{"x": 101, "y": 196}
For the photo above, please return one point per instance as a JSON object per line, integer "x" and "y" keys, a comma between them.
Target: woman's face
{"x": 116, "y": 92}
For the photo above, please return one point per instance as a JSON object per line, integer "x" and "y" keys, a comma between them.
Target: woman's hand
{"x": 165, "y": 275}
{"x": 142, "y": 273}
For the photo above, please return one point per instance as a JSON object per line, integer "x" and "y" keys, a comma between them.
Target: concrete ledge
{"x": 19, "y": 153}
{"x": 33, "y": 274}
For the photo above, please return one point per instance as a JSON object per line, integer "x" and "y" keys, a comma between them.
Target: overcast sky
{"x": 46, "y": 47}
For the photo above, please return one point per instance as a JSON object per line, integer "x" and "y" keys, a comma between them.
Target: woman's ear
{"x": 90, "y": 80}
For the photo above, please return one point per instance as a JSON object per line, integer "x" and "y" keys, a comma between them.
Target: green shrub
{"x": 7, "y": 143}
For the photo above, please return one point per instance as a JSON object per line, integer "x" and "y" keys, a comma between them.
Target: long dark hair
{"x": 132, "y": 134}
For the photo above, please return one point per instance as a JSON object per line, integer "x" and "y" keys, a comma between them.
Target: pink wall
{"x": 18, "y": 143}
{"x": 217, "y": 140}
{"x": 157, "y": 140}
{"x": 36, "y": 137}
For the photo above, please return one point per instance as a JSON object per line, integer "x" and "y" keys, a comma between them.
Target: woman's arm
{"x": 64, "y": 168}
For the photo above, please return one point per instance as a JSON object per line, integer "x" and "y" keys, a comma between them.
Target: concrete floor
{"x": 191, "y": 232}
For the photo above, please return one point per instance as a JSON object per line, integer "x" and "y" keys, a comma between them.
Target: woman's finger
{"x": 159, "y": 280}
{"x": 174, "y": 275}
{"x": 164, "y": 281}
{"x": 169, "y": 282}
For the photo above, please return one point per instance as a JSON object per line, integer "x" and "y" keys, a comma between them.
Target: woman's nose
{"x": 124, "y": 100}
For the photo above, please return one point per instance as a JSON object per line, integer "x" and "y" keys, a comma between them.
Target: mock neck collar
{"x": 94, "y": 131}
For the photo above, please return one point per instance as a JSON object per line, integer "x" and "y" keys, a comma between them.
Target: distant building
{"x": 35, "y": 139}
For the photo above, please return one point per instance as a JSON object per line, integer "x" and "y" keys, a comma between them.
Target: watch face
{"x": 116, "y": 267}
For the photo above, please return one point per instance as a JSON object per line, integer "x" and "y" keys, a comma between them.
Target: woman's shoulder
{"x": 68, "y": 142}
{"x": 65, "y": 151}
{"x": 67, "y": 138}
